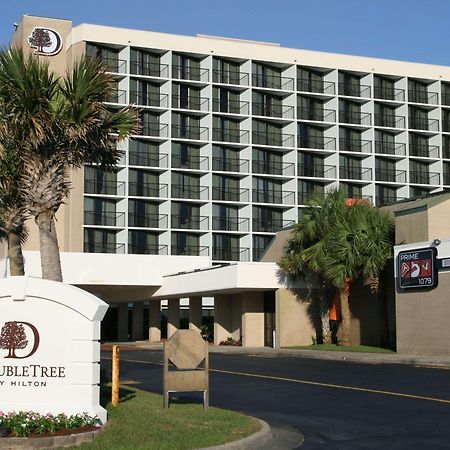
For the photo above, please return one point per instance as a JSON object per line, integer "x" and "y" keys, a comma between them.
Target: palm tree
{"x": 59, "y": 124}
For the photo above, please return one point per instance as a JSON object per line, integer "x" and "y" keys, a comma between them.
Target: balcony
{"x": 149, "y": 99}
{"x": 446, "y": 149}
{"x": 231, "y": 77}
{"x": 446, "y": 125}
{"x": 234, "y": 136}
{"x": 230, "y": 164}
{"x": 230, "y": 224}
{"x": 386, "y": 199}
{"x": 390, "y": 175}
{"x": 190, "y": 102}
{"x": 316, "y": 86}
{"x": 190, "y": 250}
{"x": 114, "y": 65}
{"x": 99, "y": 247}
{"x": 150, "y": 249}
{"x": 104, "y": 187}
{"x": 155, "y": 130}
{"x": 147, "y": 220}
{"x": 268, "y": 110}
{"x": 390, "y": 148}
{"x": 419, "y": 123}
{"x": 317, "y": 142}
{"x": 192, "y": 162}
{"x": 190, "y": 132}
{"x": 271, "y": 225}
{"x": 424, "y": 150}
{"x": 429, "y": 98}
{"x": 272, "y": 196}
{"x": 191, "y": 223}
{"x": 355, "y": 173}
{"x": 355, "y": 145}
{"x": 445, "y": 99}
{"x": 149, "y": 69}
{"x": 104, "y": 218}
{"x": 355, "y": 118}
{"x": 422, "y": 177}
{"x": 116, "y": 96}
{"x": 354, "y": 90}
{"x": 388, "y": 93}
{"x": 272, "y": 139}
{"x": 230, "y": 254}
{"x": 389, "y": 121}
{"x": 316, "y": 171}
{"x": 145, "y": 159}
{"x": 273, "y": 82}
{"x": 190, "y": 73}
{"x": 274, "y": 168}
{"x": 190, "y": 192}
{"x": 446, "y": 178}
{"x": 157, "y": 190}
{"x": 230, "y": 194}
{"x": 231, "y": 106}
{"x": 320, "y": 115}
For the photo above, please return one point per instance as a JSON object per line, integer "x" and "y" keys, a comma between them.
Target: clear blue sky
{"x": 411, "y": 30}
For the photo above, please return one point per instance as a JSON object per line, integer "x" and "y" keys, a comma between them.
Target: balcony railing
{"x": 317, "y": 86}
{"x": 354, "y": 90}
{"x": 114, "y": 65}
{"x": 274, "y": 168}
{"x": 390, "y": 148}
{"x": 144, "y": 159}
{"x": 386, "y": 199}
{"x": 303, "y": 197}
{"x": 273, "y": 82}
{"x": 266, "y": 109}
{"x": 387, "y": 93}
{"x": 270, "y": 226}
{"x": 355, "y": 173}
{"x": 147, "y": 220}
{"x": 231, "y": 106}
{"x": 446, "y": 149}
{"x": 193, "y": 162}
{"x": 149, "y": 99}
{"x": 419, "y": 123}
{"x": 230, "y": 254}
{"x": 230, "y": 194}
{"x": 230, "y": 164}
{"x": 424, "y": 150}
{"x": 190, "y": 192}
{"x": 446, "y": 125}
{"x": 236, "y": 136}
{"x": 116, "y": 96}
{"x": 149, "y": 69}
{"x": 317, "y": 142}
{"x": 158, "y": 190}
{"x": 316, "y": 171}
{"x": 190, "y": 73}
{"x": 273, "y": 139}
{"x": 99, "y": 247}
{"x": 191, "y": 223}
{"x": 446, "y": 178}
{"x": 190, "y": 250}
{"x": 271, "y": 196}
{"x": 355, "y": 117}
{"x": 355, "y": 145}
{"x": 445, "y": 98}
{"x": 155, "y": 130}
{"x": 105, "y": 218}
{"x": 105, "y": 187}
{"x": 149, "y": 249}
{"x": 190, "y": 132}
{"x": 230, "y": 77}
{"x": 386, "y": 120}
{"x": 190, "y": 102}
{"x": 320, "y": 115}
{"x": 230, "y": 224}
{"x": 422, "y": 97}
{"x": 422, "y": 177}
{"x": 390, "y": 175}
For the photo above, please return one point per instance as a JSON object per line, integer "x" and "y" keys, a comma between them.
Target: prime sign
{"x": 49, "y": 348}
{"x": 417, "y": 269}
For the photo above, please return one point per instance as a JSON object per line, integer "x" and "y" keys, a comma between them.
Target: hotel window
{"x": 145, "y": 63}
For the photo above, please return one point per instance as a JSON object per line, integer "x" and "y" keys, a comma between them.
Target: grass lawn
{"x": 340, "y": 348}
{"x": 141, "y": 422}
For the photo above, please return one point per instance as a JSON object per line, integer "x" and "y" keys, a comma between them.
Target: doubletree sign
{"x": 417, "y": 269}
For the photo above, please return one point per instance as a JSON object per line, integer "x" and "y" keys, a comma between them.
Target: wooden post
{"x": 115, "y": 375}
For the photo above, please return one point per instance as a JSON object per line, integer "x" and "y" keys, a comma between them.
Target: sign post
{"x": 417, "y": 269}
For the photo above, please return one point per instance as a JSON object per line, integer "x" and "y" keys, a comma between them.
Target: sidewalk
{"x": 267, "y": 352}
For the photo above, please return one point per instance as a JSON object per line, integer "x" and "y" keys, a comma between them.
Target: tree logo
{"x": 13, "y": 337}
{"x": 45, "y": 41}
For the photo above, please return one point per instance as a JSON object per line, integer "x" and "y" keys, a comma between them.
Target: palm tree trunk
{"x": 48, "y": 240}
{"x": 15, "y": 254}
{"x": 324, "y": 307}
{"x": 346, "y": 315}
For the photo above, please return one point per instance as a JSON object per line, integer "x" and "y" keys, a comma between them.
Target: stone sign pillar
{"x": 49, "y": 348}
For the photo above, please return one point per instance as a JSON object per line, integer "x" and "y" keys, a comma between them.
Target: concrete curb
{"x": 250, "y": 442}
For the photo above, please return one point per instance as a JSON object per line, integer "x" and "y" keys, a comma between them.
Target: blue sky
{"x": 412, "y": 30}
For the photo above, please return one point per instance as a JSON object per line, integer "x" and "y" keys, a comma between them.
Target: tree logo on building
{"x": 13, "y": 338}
{"x": 45, "y": 41}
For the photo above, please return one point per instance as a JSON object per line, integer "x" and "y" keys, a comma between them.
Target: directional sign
{"x": 417, "y": 269}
